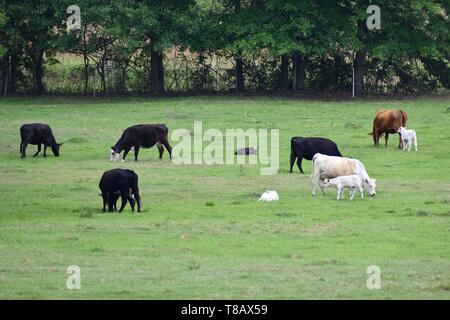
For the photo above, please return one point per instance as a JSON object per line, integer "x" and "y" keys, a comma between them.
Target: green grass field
{"x": 202, "y": 233}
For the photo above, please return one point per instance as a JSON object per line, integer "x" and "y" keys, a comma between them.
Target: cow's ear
{"x": 60, "y": 144}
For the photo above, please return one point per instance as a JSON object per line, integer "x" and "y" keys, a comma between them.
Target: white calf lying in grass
{"x": 352, "y": 182}
{"x": 269, "y": 196}
{"x": 408, "y": 138}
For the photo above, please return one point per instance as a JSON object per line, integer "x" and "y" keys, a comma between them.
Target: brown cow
{"x": 386, "y": 122}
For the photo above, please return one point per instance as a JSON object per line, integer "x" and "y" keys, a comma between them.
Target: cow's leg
{"x": 131, "y": 201}
{"x": 45, "y": 151}
{"x": 38, "y": 150}
{"x": 123, "y": 195}
{"x": 338, "y": 193}
{"x": 105, "y": 200}
{"x": 125, "y": 153}
{"x": 376, "y": 137}
{"x": 299, "y": 163}
{"x": 314, "y": 180}
{"x": 293, "y": 157}
{"x": 352, "y": 192}
{"x": 160, "y": 149}
{"x": 24, "y": 148}
{"x": 167, "y": 145}
{"x": 321, "y": 188}
{"x": 362, "y": 191}
{"x": 400, "y": 142}
{"x": 136, "y": 152}
{"x": 20, "y": 148}
{"x": 415, "y": 143}
{"x": 386, "y": 137}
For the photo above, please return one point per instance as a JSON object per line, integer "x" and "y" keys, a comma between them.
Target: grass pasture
{"x": 202, "y": 234}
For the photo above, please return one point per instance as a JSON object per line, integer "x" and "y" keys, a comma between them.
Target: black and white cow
{"x": 307, "y": 147}
{"x": 123, "y": 183}
{"x": 38, "y": 134}
{"x": 142, "y": 136}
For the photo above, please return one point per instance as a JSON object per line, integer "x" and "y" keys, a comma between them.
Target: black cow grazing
{"x": 142, "y": 136}
{"x": 123, "y": 183}
{"x": 38, "y": 134}
{"x": 307, "y": 147}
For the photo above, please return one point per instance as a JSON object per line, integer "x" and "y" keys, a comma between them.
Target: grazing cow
{"x": 408, "y": 138}
{"x": 352, "y": 182}
{"x": 121, "y": 182}
{"x": 331, "y": 167}
{"x": 38, "y": 134}
{"x": 387, "y": 122}
{"x": 142, "y": 136}
{"x": 308, "y": 147}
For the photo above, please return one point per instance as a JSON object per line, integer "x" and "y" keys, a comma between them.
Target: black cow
{"x": 142, "y": 136}
{"x": 307, "y": 147}
{"x": 121, "y": 182}
{"x": 38, "y": 134}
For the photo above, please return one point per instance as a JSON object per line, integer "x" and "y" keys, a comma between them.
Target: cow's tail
{"x": 404, "y": 117}
{"x": 292, "y": 146}
{"x": 373, "y": 129}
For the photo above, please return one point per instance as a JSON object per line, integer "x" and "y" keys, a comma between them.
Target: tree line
{"x": 286, "y": 45}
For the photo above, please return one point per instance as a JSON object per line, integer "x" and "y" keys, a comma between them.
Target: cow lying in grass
{"x": 38, "y": 134}
{"x": 408, "y": 138}
{"x": 142, "y": 136}
{"x": 119, "y": 182}
{"x": 306, "y": 148}
{"x": 353, "y": 182}
{"x": 331, "y": 167}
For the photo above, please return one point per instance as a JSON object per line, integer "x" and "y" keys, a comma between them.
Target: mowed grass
{"x": 202, "y": 233}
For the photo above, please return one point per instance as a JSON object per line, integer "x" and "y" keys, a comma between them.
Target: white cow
{"x": 408, "y": 138}
{"x": 331, "y": 167}
{"x": 353, "y": 182}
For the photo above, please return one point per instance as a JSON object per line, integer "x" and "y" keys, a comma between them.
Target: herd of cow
{"x": 330, "y": 168}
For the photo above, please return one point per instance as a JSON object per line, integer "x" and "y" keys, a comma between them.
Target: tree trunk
{"x": 359, "y": 63}
{"x": 284, "y": 72}
{"x": 240, "y": 87}
{"x": 38, "y": 73}
{"x": 299, "y": 62}
{"x": 86, "y": 64}
{"x": 156, "y": 73}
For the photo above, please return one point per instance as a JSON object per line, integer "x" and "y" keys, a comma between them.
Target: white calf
{"x": 352, "y": 182}
{"x": 269, "y": 196}
{"x": 331, "y": 167}
{"x": 408, "y": 138}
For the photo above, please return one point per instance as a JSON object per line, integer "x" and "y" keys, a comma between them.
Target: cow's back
{"x": 333, "y": 166}
{"x": 390, "y": 120}
{"x": 310, "y": 146}
{"x": 36, "y": 133}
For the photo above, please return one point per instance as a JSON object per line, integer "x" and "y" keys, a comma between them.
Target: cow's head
{"x": 114, "y": 155}
{"x": 55, "y": 149}
{"x": 370, "y": 185}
